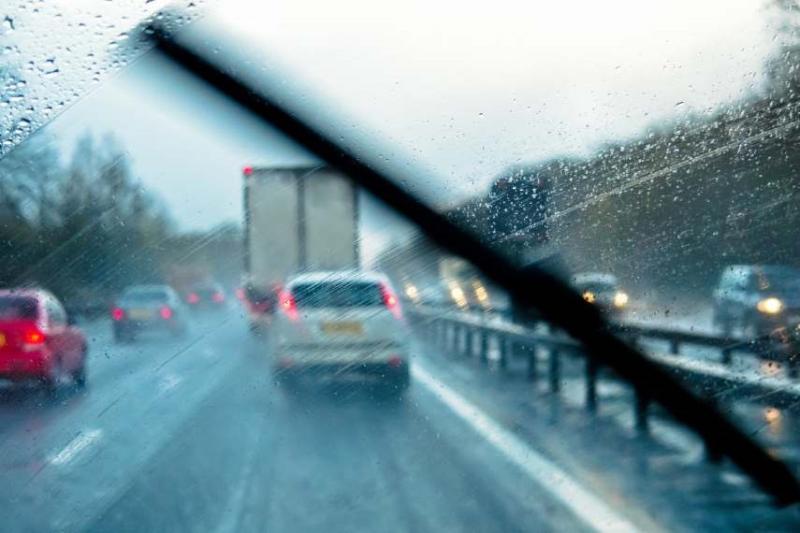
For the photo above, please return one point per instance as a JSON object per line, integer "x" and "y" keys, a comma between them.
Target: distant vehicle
{"x": 341, "y": 324}
{"x": 602, "y": 290}
{"x": 148, "y": 308}
{"x": 38, "y": 341}
{"x": 758, "y": 300}
{"x": 206, "y": 296}
{"x": 297, "y": 219}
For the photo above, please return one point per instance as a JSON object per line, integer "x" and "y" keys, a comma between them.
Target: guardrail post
{"x": 642, "y": 402}
{"x": 674, "y": 347}
{"x": 468, "y": 342}
{"x": 591, "y": 384}
{"x": 531, "y": 352}
{"x": 505, "y": 346}
{"x": 555, "y": 370}
{"x": 483, "y": 346}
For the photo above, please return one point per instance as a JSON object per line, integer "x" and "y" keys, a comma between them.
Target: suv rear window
{"x": 18, "y": 308}
{"x": 338, "y": 294}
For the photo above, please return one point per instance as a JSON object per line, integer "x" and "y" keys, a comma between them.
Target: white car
{"x": 341, "y": 324}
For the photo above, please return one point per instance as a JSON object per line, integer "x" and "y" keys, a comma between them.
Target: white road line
{"x": 82, "y": 441}
{"x": 589, "y": 508}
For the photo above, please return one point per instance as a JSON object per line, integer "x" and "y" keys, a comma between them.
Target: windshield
{"x": 18, "y": 308}
{"x": 413, "y": 266}
{"x": 780, "y": 280}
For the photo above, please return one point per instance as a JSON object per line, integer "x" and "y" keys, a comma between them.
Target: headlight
{"x": 770, "y": 306}
{"x": 589, "y": 296}
{"x": 620, "y": 299}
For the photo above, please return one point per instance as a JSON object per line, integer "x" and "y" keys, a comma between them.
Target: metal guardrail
{"x": 460, "y": 334}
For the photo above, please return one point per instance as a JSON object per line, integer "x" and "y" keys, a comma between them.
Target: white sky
{"x": 460, "y": 88}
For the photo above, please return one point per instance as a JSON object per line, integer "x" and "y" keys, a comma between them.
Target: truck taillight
{"x": 288, "y": 305}
{"x": 117, "y": 314}
{"x": 390, "y": 300}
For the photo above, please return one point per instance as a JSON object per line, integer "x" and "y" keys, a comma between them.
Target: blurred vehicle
{"x": 148, "y": 308}
{"x": 602, "y": 290}
{"x": 37, "y": 340}
{"x": 207, "y": 295}
{"x": 341, "y": 324}
{"x": 759, "y": 301}
{"x": 296, "y": 219}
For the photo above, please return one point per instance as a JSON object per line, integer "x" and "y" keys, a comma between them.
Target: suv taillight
{"x": 33, "y": 337}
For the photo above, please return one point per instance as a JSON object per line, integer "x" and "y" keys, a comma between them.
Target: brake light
{"x": 117, "y": 314}
{"x": 390, "y": 300}
{"x": 240, "y": 295}
{"x": 247, "y": 171}
{"x": 288, "y": 304}
{"x": 193, "y": 298}
{"x": 218, "y": 297}
{"x": 33, "y": 337}
{"x": 395, "y": 361}
{"x": 166, "y": 313}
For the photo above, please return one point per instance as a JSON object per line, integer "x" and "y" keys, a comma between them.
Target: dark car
{"x": 148, "y": 308}
{"x": 758, "y": 300}
{"x": 37, "y": 342}
{"x": 602, "y": 290}
{"x": 206, "y": 296}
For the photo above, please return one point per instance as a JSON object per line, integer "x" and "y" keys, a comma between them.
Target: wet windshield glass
{"x": 247, "y": 335}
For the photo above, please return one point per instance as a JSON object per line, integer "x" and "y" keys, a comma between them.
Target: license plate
{"x": 338, "y": 328}
{"x": 140, "y": 314}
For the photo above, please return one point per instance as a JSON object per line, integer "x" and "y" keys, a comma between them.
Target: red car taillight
{"x": 166, "y": 313}
{"x": 193, "y": 298}
{"x": 288, "y": 304}
{"x": 117, "y": 314}
{"x": 33, "y": 337}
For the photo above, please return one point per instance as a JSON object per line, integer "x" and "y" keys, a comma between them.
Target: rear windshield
{"x": 17, "y": 308}
{"x": 144, "y": 297}
{"x": 338, "y": 294}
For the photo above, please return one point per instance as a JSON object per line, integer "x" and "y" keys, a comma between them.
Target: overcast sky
{"x": 460, "y": 88}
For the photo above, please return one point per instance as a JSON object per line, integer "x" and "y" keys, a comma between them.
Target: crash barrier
{"x": 488, "y": 337}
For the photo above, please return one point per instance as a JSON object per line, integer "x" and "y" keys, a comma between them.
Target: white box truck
{"x": 296, "y": 219}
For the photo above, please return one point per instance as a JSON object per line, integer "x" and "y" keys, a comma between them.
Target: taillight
{"x": 395, "y": 361}
{"x": 193, "y": 298}
{"x": 288, "y": 304}
{"x": 240, "y": 295}
{"x": 33, "y": 337}
{"x": 117, "y": 314}
{"x": 166, "y": 313}
{"x": 390, "y": 300}
{"x": 218, "y": 297}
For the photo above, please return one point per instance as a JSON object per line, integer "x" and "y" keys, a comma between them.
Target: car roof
{"x": 337, "y": 276}
{"x": 24, "y": 292}
{"x": 594, "y": 277}
{"x": 147, "y": 288}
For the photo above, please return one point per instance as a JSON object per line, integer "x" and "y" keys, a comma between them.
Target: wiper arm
{"x": 531, "y": 287}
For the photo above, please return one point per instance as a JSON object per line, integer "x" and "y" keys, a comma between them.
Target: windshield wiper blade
{"x": 530, "y": 286}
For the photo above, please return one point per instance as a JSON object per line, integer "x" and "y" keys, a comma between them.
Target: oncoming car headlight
{"x": 620, "y": 299}
{"x": 589, "y": 296}
{"x": 770, "y": 306}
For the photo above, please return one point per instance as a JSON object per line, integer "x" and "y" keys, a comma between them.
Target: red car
{"x": 37, "y": 341}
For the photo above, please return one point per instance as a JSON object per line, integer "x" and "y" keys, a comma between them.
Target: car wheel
{"x": 79, "y": 376}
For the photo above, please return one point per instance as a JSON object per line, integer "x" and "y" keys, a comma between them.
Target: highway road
{"x": 193, "y": 435}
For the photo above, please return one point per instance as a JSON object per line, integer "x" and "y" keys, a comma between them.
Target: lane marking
{"x": 82, "y": 441}
{"x": 587, "y": 507}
